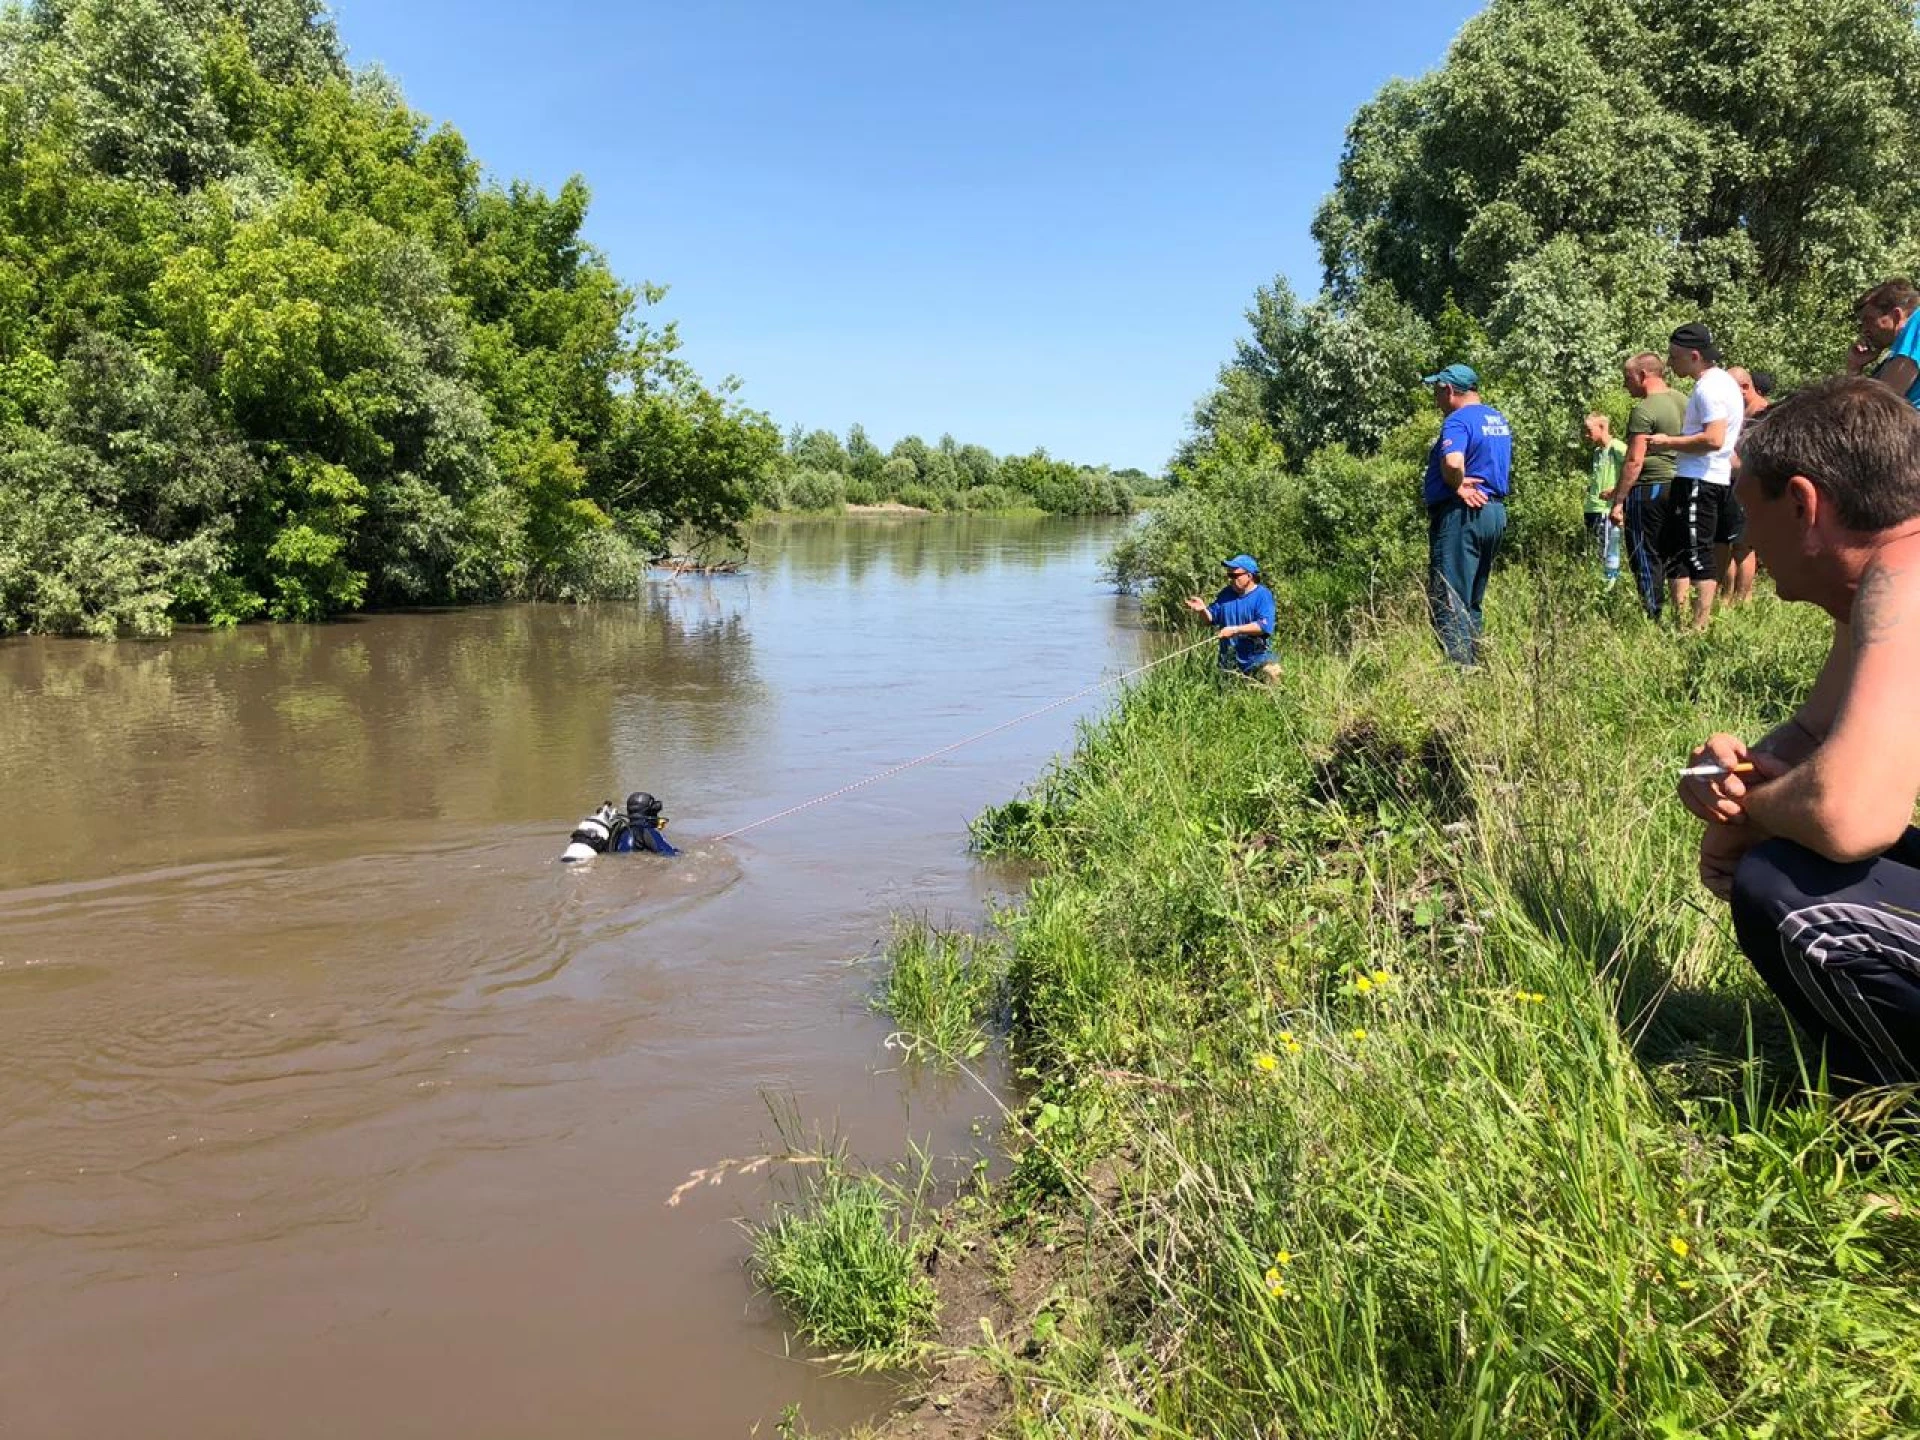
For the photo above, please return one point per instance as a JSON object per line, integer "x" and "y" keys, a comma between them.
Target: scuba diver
{"x": 607, "y": 829}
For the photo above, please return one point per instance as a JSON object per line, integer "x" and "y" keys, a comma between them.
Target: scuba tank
{"x": 596, "y": 834}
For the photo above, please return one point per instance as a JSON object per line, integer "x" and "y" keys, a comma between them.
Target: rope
{"x": 971, "y": 739}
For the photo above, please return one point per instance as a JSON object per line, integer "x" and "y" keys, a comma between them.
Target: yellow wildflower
{"x": 1359, "y": 1034}
{"x": 1530, "y": 997}
{"x": 1293, "y": 1047}
{"x": 1282, "y": 1257}
{"x": 1381, "y": 977}
{"x": 1286, "y": 1037}
{"x": 1266, "y": 1062}
{"x": 1679, "y": 1247}
{"x": 1363, "y": 985}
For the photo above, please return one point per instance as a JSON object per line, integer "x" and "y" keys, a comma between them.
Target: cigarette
{"x": 1710, "y": 771}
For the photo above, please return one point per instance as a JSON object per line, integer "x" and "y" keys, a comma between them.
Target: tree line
{"x": 1573, "y": 181}
{"x": 819, "y": 471}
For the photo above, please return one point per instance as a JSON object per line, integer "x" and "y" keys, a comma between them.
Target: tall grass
{"x": 942, "y": 988}
{"x": 1447, "y": 1104}
{"x": 840, "y": 1260}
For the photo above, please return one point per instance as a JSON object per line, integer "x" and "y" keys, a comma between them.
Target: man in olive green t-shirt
{"x": 1640, "y": 500}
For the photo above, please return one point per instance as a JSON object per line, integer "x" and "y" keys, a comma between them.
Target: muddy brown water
{"x": 330, "y": 1104}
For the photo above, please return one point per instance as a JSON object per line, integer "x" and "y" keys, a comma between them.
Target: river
{"x": 330, "y": 1104}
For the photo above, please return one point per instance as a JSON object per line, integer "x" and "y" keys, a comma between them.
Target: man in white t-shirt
{"x": 1703, "y": 518}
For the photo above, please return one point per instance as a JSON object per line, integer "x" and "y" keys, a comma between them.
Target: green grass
{"x": 1406, "y": 975}
{"x": 942, "y": 988}
{"x": 840, "y": 1261}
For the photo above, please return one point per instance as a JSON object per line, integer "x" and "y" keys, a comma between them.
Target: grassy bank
{"x": 1398, "y": 1079}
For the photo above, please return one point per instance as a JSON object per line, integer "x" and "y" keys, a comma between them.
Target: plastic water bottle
{"x": 1610, "y": 551}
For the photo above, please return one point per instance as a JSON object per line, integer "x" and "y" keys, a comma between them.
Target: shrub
{"x": 924, "y": 496}
{"x": 817, "y": 490}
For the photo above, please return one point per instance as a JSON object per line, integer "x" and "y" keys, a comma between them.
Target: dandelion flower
{"x": 1275, "y": 1290}
{"x": 1359, "y": 1034}
{"x": 1293, "y": 1047}
{"x": 1529, "y": 997}
{"x": 1282, "y": 1257}
{"x": 1363, "y": 985}
{"x": 1381, "y": 977}
{"x": 1286, "y": 1037}
{"x": 1266, "y": 1062}
{"x": 1679, "y": 1247}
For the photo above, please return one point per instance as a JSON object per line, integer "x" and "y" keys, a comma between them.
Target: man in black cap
{"x": 1703, "y": 518}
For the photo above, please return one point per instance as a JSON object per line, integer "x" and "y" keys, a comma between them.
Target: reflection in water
{"x": 330, "y": 1103}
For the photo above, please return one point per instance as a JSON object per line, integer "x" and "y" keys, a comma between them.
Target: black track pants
{"x": 1840, "y": 946}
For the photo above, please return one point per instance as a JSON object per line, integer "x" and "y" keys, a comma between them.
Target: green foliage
{"x": 837, "y": 1260}
{"x": 942, "y": 988}
{"x": 821, "y": 474}
{"x": 1569, "y": 185}
{"x": 268, "y": 342}
{"x": 1442, "y": 1100}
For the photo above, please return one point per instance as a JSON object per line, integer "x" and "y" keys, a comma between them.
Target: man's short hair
{"x": 1763, "y": 383}
{"x": 1856, "y": 440}
{"x": 1647, "y": 363}
{"x": 1895, "y": 294}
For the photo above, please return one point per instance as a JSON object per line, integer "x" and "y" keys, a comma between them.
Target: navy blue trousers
{"x": 1646, "y": 516}
{"x": 1840, "y": 946}
{"x": 1461, "y": 544}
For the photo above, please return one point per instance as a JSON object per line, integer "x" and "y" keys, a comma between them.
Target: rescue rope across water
{"x": 969, "y": 740}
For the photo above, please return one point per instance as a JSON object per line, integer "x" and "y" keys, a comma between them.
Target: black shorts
{"x": 1699, "y": 517}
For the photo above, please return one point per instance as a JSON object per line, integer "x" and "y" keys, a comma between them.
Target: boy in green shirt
{"x": 1609, "y": 456}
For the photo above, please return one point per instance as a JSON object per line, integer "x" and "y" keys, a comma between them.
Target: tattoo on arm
{"x": 1879, "y": 607}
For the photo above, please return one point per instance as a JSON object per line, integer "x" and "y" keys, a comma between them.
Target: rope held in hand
{"x": 958, "y": 744}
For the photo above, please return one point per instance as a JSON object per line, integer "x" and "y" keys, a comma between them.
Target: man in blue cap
{"x": 1465, "y": 492}
{"x": 1244, "y": 613}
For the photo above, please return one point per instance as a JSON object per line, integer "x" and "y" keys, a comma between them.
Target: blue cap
{"x": 1243, "y": 562}
{"x": 1456, "y": 376}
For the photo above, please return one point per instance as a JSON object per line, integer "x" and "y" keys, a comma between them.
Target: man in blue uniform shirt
{"x": 1244, "y": 613}
{"x": 1466, "y": 498}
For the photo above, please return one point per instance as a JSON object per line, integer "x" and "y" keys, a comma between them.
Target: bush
{"x": 923, "y": 496}
{"x": 817, "y": 490}
{"x": 857, "y": 491}
{"x": 991, "y": 497}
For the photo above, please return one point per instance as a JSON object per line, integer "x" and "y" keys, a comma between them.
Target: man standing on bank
{"x": 1703, "y": 517}
{"x": 1640, "y": 501}
{"x": 1244, "y": 612}
{"x": 1465, "y": 492}
{"x": 1814, "y": 846}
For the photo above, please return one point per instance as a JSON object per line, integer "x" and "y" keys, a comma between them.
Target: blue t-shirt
{"x": 1247, "y": 652}
{"x": 1481, "y": 433}
{"x": 1906, "y": 346}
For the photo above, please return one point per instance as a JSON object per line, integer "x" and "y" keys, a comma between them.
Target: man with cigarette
{"x": 1808, "y": 829}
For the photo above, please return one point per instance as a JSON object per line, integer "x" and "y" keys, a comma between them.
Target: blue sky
{"x": 1025, "y": 224}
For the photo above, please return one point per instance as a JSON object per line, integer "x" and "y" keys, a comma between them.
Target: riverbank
{"x": 1393, "y": 1076}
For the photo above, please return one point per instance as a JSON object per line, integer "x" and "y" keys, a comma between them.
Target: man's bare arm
{"x": 1636, "y": 461}
{"x": 1711, "y": 437}
{"x": 1897, "y": 374}
{"x": 1801, "y": 733}
{"x": 1853, "y": 795}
